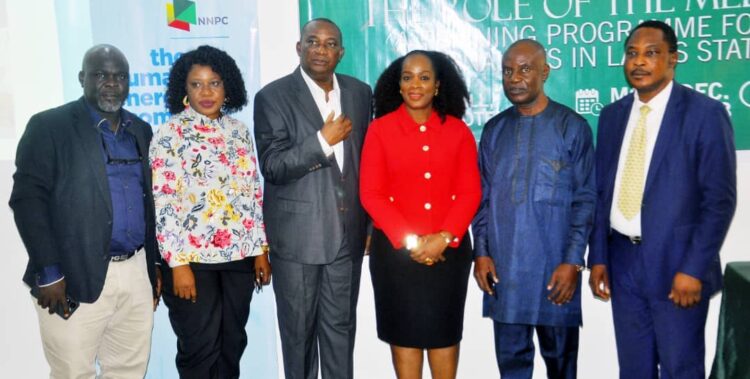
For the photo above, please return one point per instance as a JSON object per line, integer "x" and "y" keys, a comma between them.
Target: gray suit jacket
{"x": 310, "y": 206}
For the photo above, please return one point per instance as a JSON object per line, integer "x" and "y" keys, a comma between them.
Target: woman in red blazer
{"x": 420, "y": 184}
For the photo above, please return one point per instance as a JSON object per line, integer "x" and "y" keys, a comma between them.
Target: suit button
{"x": 427, "y": 206}
{"x": 422, "y": 128}
{"x": 425, "y": 148}
{"x": 427, "y": 175}
{"x": 390, "y": 198}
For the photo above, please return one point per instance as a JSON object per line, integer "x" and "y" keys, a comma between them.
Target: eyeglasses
{"x": 121, "y": 161}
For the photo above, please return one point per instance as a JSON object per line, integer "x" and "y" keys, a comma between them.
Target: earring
{"x": 436, "y": 91}
{"x": 185, "y": 101}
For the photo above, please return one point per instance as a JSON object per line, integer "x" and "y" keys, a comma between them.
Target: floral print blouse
{"x": 207, "y": 190}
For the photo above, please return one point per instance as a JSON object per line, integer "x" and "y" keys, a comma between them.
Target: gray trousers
{"x": 316, "y": 308}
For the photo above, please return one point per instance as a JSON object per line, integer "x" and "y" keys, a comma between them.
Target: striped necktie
{"x": 633, "y": 176}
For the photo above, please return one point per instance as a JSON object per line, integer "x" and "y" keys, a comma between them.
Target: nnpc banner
{"x": 584, "y": 41}
{"x": 152, "y": 34}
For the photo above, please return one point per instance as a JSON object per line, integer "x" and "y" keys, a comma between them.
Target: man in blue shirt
{"x": 536, "y": 161}
{"x": 83, "y": 207}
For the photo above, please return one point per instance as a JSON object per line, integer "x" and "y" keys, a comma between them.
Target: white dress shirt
{"x": 658, "y": 105}
{"x": 325, "y": 107}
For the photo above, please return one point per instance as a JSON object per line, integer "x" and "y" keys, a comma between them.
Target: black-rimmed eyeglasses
{"x": 121, "y": 161}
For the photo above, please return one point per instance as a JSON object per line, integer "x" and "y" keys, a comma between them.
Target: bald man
{"x": 83, "y": 207}
{"x": 536, "y": 160}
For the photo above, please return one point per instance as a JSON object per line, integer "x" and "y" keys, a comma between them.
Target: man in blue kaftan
{"x": 538, "y": 199}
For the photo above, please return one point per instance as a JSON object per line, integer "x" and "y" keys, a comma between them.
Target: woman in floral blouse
{"x": 208, "y": 213}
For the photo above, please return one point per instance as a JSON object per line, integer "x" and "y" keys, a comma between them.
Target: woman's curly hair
{"x": 452, "y": 96}
{"x": 221, "y": 63}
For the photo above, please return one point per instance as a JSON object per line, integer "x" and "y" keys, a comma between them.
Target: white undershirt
{"x": 658, "y": 105}
{"x": 325, "y": 108}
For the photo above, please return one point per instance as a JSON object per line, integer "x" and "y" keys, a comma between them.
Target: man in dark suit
{"x": 666, "y": 178}
{"x": 309, "y": 127}
{"x": 83, "y": 207}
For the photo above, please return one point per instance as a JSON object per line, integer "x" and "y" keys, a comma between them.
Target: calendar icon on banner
{"x": 587, "y": 102}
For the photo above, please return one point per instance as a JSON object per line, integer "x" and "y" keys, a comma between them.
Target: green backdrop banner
{"x": 584, "y": 41}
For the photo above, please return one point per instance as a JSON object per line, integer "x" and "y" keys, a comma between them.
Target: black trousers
{"x": 211, "y": 333}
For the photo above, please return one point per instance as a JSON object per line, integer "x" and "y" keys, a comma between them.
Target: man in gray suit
{"x": 309, "y": 127}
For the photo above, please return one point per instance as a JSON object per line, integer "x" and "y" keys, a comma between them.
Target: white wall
{"x": 37, "y": 87}
{"x": 36, "y": 84}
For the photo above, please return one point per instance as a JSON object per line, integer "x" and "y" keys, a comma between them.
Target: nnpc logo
{"x": 181, "y": 14}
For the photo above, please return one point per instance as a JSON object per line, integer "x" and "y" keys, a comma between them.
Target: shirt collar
{"x": 102, "y": 122}
{"x": 658, "y": 102}
{"x": 315, "y": 88}
{"x": 543, "y": 113}
{"x": 196, "y": 117}
{"x": 408, "y": 125}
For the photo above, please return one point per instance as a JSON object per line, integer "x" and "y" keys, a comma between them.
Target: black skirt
{"x": 416, "y": 305}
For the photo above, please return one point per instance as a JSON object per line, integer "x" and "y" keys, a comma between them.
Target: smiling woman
{"x": 207, "y": 195}
{"x": 420, "y": 185}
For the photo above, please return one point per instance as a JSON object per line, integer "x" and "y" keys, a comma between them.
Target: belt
{"x": 635, "y": 240}
{"x": 124, "y": 256}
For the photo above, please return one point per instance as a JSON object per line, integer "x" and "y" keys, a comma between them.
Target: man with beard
{"x": 83, "y": 207}
{"x": 536, "y": 161}
{"x": 666, "y": 178}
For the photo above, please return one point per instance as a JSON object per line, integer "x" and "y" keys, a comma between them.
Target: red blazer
{"x": 419, "y": 178}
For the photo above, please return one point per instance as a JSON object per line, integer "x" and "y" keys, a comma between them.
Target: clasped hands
{"x": 429, "y": 248}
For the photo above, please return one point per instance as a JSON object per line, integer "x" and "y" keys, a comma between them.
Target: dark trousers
{"x": 211, "y": 333}
{"x": 514, "y": 350}
{"x": 655, "y": 339}
{"x": 316, "y": 308}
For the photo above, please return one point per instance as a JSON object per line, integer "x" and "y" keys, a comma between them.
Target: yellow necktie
{"x": 633, "y": 176}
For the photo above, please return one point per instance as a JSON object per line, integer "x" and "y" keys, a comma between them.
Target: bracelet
{"x": 411, "y": 241}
